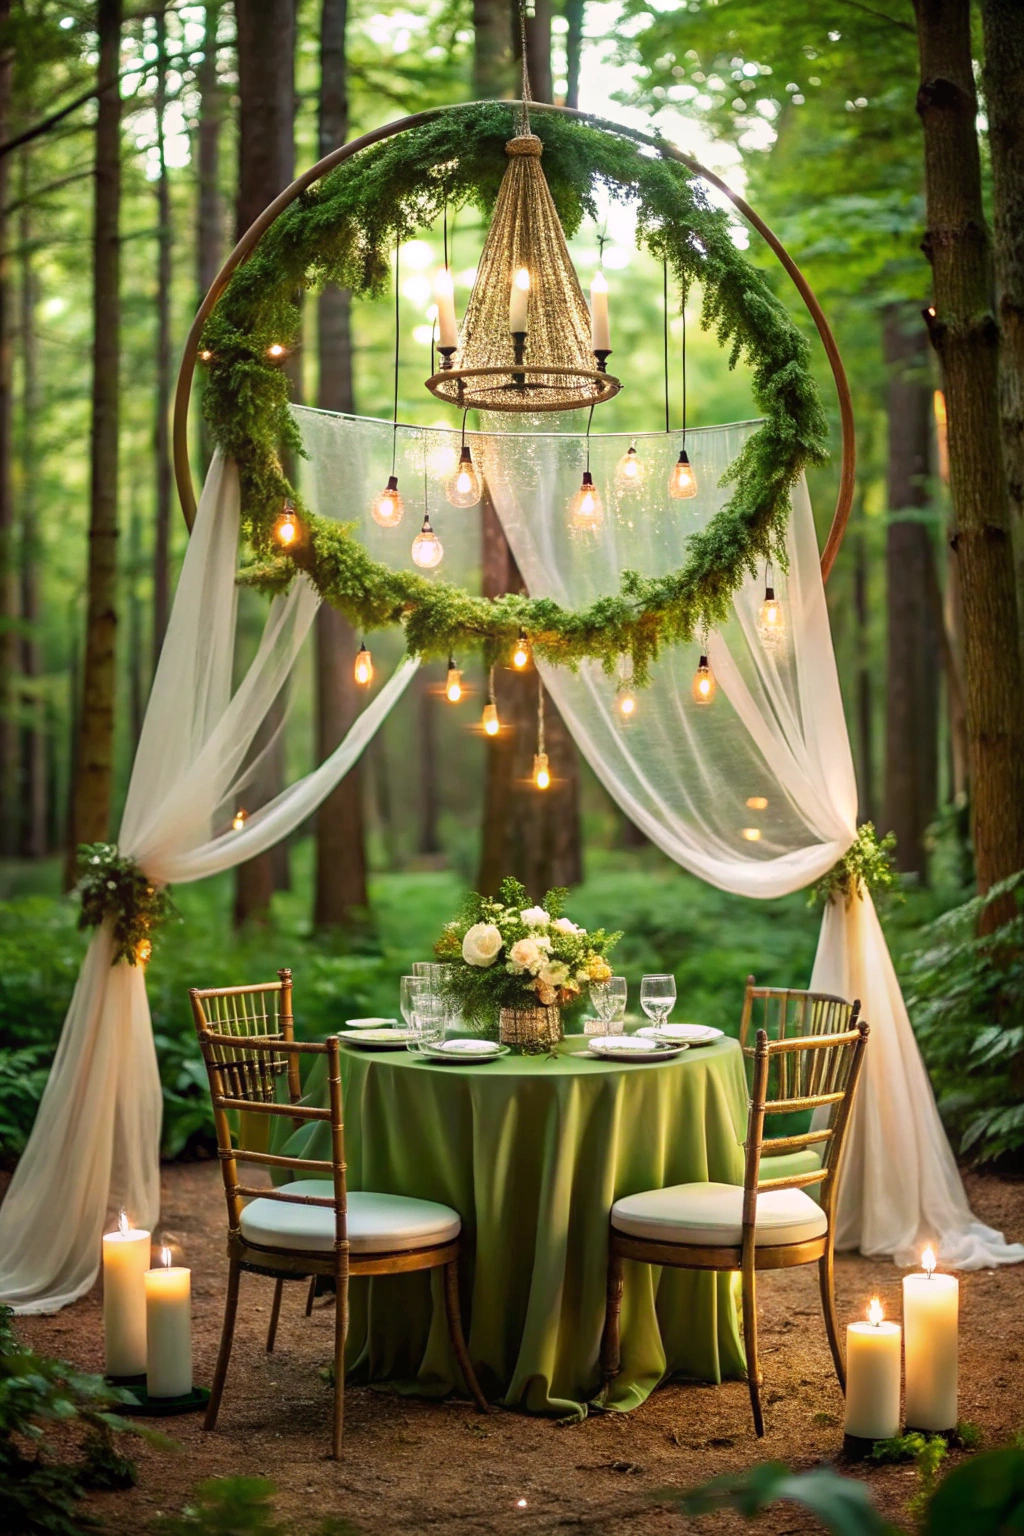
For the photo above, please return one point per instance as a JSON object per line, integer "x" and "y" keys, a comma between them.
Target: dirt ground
{"x": 417, "y": 1466}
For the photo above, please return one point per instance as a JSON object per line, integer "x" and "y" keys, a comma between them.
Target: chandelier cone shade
{"x": 548, "y": 363}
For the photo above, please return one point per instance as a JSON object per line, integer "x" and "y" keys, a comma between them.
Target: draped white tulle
{"x": 95, "y": 1145}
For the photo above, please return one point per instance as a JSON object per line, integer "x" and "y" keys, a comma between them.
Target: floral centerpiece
{"x": 518, "y": 965}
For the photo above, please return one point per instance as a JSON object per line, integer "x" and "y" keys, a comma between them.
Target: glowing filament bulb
{"x": 770, "y": 626}
{"x": 682, "y": 482}
{"x": 630, "y": 471}
{"x": 453, "y": 683}
{"x": 521, "y": 654}
{"x": 387, "y": 508}
{"x": 427, "y": 549}
{"x": 625, "y": 703}
{"x": 363, "y": 669}
{"x": 489, "y": 719}
{"x": 239, "y": 819}
{"x": 875, "y": 1313}
{"x": 466, "y": 485}
{"x": 704, "y": 684}
{"x": 286, "y": 529}
{"x": 143, "y": 950}
{"x": 541, "y": 771}
{"x": 585, "y": 511}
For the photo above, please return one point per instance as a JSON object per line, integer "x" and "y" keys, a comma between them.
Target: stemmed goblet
{"x": 657, "y": 996}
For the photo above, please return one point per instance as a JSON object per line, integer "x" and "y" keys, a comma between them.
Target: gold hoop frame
{"x": 186, "y": 372}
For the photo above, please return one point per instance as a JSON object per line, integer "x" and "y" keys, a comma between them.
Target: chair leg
{"x": 224, "y": 1354}
{"x": 750, "y": 1344}
{"x": 275, "y": 1313}
{"x": 611, "y": 1337}
{"x": 340, "y": 1336}
{"x": 312, "y": 1296}
{"x": 826, "y": 1284}
{"x": 458, "y": 1338}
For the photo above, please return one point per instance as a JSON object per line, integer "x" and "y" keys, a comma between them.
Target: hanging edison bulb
{"x": 427, "y": 549}
{"x": 704, "y": 684}
{"x": 489, "y": 719}
{"x": 453, "y": 683}
{"x": 387, "y": 507}
{"x": 286, "y": 528}
{"x": 541, "y": 771}
{"x": 629, "y": 472}
{"x": 771, "y": 626}
{"x": 682, "y": 482}
{"x": 466, "y": 486}
{"x": 521, "y": 654}
{"x": 585, "y": 510}
{"x": 625, "y": 698}
{"x": 363, "y": 669}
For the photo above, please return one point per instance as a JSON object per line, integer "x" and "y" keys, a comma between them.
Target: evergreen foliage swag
{"x": 344, "y": 230}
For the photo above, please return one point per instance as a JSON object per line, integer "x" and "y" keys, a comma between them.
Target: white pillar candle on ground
{"x": 519, "y": 300}
{"x": 600, "y": 331}
{"x": 168, "y": 1330}
{"x": 931, "y": 1306}
{"x": 873, "y": 1377}
{"x": 125, "y": 1262}
{"x": 444, "y": 293}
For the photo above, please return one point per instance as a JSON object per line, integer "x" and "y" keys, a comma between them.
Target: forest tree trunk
{"x": 341, "y": 896}
{"x": 210, "y": 204}
{"x": 965, "y": 334}
{"x": 34, "y": 829}
{"x": 10, "y": 726}
{"x": 1003, "y": 82}
{"x": 574, "y": 13}
{"x": 493, "y": 30}
{"x": 538, "y": 51}
{"x": 162, "y": 404}
{"x": 266, "y": 165}
{"x": 428, "y": 843}
{"x": 94, "y": 758}
{"x": 913, "y": 669}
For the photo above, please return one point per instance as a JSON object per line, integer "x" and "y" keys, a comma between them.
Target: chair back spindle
{"x": 784, "y": 1013}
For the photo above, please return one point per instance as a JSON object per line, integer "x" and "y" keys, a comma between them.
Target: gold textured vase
{"x": 530, "y": 1026}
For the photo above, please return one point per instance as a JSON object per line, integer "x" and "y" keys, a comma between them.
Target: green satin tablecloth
{"x": 532, "y": 1151}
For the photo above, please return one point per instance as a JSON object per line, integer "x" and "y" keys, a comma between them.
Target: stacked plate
{"x": 466, "y": 1050}
{"x": 632, "y": 1048}
{"x": 681, "y": 1034}
{"x": 374, "y": 1023}
{"x": 372, "y": 1038}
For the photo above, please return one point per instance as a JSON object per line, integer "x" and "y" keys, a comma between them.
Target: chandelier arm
{"x": 252, "y": 236}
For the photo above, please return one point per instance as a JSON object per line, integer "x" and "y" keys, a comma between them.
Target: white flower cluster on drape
{"x": 95, "y": 1145}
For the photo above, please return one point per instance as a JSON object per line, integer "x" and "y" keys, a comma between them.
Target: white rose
{"x": 563, "y": 925}
{"x": 525, "y": 955}
{"x": 481, "y": 945}
{"x": 555, "y": 975}
{"x": 535, "y": 917}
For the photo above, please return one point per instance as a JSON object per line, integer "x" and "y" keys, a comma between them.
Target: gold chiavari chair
{"x": 311, "y": 1226}
{"x": 765, "y": 1223}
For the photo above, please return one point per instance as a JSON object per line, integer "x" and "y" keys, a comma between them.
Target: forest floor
{"x": 418, "y": 1466}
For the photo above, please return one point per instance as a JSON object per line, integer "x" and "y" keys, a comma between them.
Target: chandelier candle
{"x": 168, "y": 1329}
{"x": 444, "y": 294}
{"x": 873, "y": 1377}
{"x": 125, "y": 1262}
{"x": 519, "y": 301}
{"x": 931, "y": 1304}
{"x": 600, "y": 331}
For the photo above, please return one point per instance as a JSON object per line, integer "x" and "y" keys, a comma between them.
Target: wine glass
{"x": 609, "y": 999}
{"x": 657, "y": 996}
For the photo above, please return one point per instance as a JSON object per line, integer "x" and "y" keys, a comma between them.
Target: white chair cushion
{"x": 376, "y": 1223}
{"x": 712, "y": 1215}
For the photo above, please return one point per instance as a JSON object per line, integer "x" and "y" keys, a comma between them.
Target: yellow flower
{"x": 598, "y": 969}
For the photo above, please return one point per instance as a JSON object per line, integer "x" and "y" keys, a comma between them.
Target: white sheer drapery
{"x": 95, "y": 1145}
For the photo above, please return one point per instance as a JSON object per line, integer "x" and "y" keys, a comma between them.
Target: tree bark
{"x": 912, "y": 672}
{"x": 965, "y": 334}
{"x": 34, "y": 827}
{"x": 162, "y": 404}
{"x": 210, "y": 221}
{"x": 494, "y": 28}
{"x": 266, "y": 165}
{"x": 428, "y": 843}
{"x": 10, "y": 731}
{"x": 90, "y": 807}
{"x": 574, "y": 13}
{"x": 1003, "y": 83}
{"x": 538, "y": 50}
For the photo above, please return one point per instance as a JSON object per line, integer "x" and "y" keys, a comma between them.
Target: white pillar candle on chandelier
{"x": 600, "y": 330}
{"x": 125, "y": 1262}
{"x": 168, "y": 1329}
{"x": 873, "y": 1377}
{"x": 444, "y": 294}
{"x": 519, "y": 300}
{"x": 931, "y": 1305}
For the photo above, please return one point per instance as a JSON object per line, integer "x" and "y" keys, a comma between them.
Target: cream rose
{"x": 481, "y": 945}
{"x": 525, "y": 954}
{"x": 535, "y": 917}
{"x": 564, "y": 925}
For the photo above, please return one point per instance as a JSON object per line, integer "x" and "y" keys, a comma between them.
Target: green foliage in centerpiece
{"x": 500, "y": 952}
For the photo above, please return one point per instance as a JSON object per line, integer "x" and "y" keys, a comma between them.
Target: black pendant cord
{"x": 664, "y": 311}
{"x": 464, "y": 415}
{"x": 683, "y": 309}
{"x": 394, "y": 414}
{"x": 590, "y": 419}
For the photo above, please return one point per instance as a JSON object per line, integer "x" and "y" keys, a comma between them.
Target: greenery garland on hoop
{"x": 344, "y": 229}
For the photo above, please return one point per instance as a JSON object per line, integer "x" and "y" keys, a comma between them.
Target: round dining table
{"x": 532, "y": 1151}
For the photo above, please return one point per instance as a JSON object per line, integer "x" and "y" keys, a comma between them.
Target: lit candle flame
{"x": 522, "y": 280}
{"x": 165, "y": 1257}
{"x": 875, "y": 1313}
{"x": 928, "y": 1261}
{"x": 122, "y": 1223}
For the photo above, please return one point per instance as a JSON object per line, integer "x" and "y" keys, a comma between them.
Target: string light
{"x": 704, "y": 684}
{"x": 239, "y": 819}
{"x": 757, "y": 803}
{"x": 682, "y": 482}
{"x": 541, "y": 770}
{"x": 585, "y": 510}
{"x": 388, "y": 508}
{"x": 453, "y": 683}
{"x": 205, "y": 355}
{"x": 363, "y": 669}
{"x": 629, "y": 472}
{"x": 143, "y": 950}
{"x": 466, "y": 485}
{"x": 625, "y": 698}
{"x": 277, "y": 350}
{"x": 489, "y": 719}
{"x": 427, "y": 549}
{"x": 770, "y": 624}
{"x": 521, "y": 654}
{"x": 286, "y": 529}
{"x": 752, "y": 834}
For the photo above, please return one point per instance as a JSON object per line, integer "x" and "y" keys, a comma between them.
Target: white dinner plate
{"x": 370, "y": 1023}
{"x": 379, "y": 1039}
{"x": 631, "y": 1048}
{"x": 682, "y": 1034}
{"x": 466, "y": 1051}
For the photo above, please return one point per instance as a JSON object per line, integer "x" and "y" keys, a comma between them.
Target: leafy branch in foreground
{"x": 238, "y": 1506}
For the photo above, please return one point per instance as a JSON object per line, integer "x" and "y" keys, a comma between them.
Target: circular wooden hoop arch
{"x": 186, "y": 372}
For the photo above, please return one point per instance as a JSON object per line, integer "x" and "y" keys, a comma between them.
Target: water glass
{"x": 428, "y": 1020}
{"x": 412, "y": 987}
{"x": 609, "y": 999}
{"x": 657, "y": 996}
